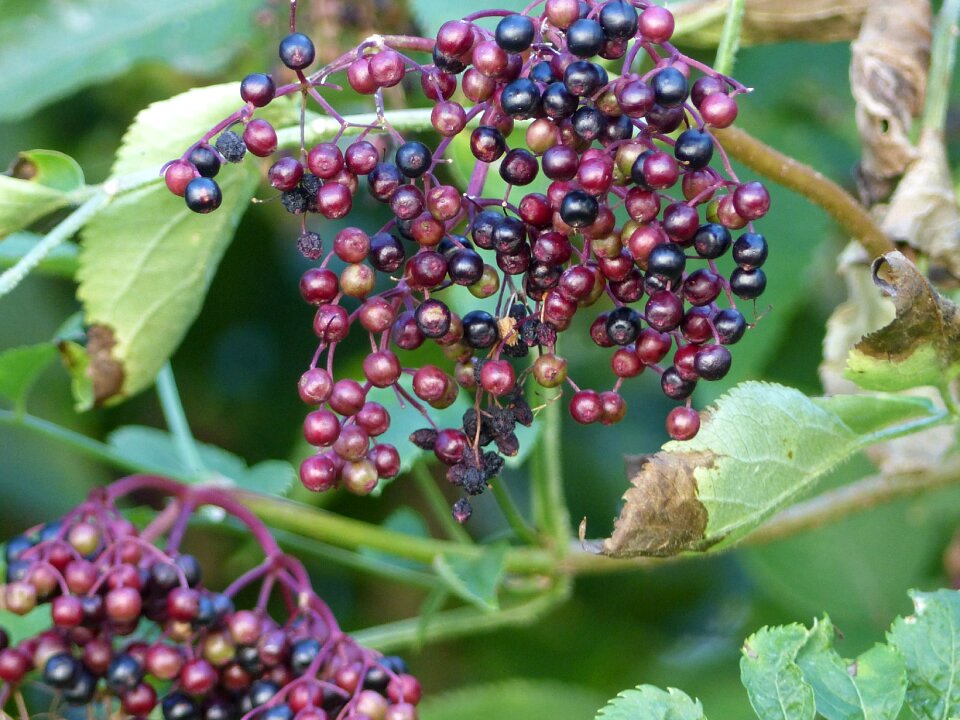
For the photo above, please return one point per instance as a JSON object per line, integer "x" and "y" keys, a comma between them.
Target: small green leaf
{"x": 520, "y": 699}
{"x": 922, "y": 344}
{"x": 872, "y": 687}
{"x": 156, "y": 449}
{"x": 23, "y": 627}
{"x": 651, "y": 703}
{"x": 38, "y": 184}
{"x": 929, "y": 640}
{"x": 147, "y": 261}
{"x": 89, "y": 42}
{"x": 772, "y": 677}
{"x": 475, "y": 580}
{"x": 20, "y": 367}
{"x": 62, "y": 261}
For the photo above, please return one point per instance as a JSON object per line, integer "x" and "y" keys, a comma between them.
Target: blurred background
{"x": 681, "y": 625}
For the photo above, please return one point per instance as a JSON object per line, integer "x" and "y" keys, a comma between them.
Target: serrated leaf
{"x": 89, "y": 42}
{"x": 520, "y": 699}
{"x": 39, "y": 182}
{"x": 773, "y": 680}
{"x": 922, "y": 344}
{"x": 155, "y": 449}
{"x": 20, "y": 367}
{"x": 476, "y": 580}
{"x": 929, "y": 641}
{"x": 760, "y": 447}
{"x": 147, "y": 261}
{"x": 62, "y": 261}
{"x": 872, "y": 687}
{"x": 651, "y": 703}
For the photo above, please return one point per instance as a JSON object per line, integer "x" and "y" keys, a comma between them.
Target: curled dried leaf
{"x": 922, "y": 344}
{"x": 104, "y": 371}
{"x": 888, "y": 76}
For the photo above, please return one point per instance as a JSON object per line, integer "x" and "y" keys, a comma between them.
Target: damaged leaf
{"x": 921, "y": 346}
{"x": 759, "y": 449}
{"x": 773, "y": 680}
{"x": 38, "y": 183}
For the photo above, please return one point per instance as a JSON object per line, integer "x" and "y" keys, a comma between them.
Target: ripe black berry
{"x": 480, "y": 329}
{"x": 61, "y": 670}
{"x": 542, "y": 73}
{"x": 670, "y": 87}
{"x": 623, "y": 325}
{"x": 748, "y": 284}
{"x": 582, "y": 78}
{"x": 82, "y": 689}
{"x": 585, "y": 38}
{"x": 297, "y": 51}
{"x": 205, "y": 160}
{"x": 203, "y": 195}
{"x": 257, "y": 89}
{"x": 558, "y": 102}
{"x": 124, "y": 673}
{"x": 674, "y": 386}
{"x": 487, "y": 144}
{"x": 521, "y": 98}
{"x": 433, "y": 318}
{"x": 579, "y": 209}
{"x": 667, "y": 260}
{"x": 465, "y": 266}
{"x": 588, "y": 123}
{"x": 711, "y": 240}
{"x": 383, "y": 180}
{"x": 514, "y": 33}
{"x": 694, "y": 148}
{"x": 386, "y": 252}
{"x": 730, "y": 325}
{"x": 619, "y": 20}
{"x": 231, "y": 146}
{"x": 750, "y": 250}
{"x": 519, "y": 167}
{"x": 413, "y": 158}
{"x": 712, "y": 362}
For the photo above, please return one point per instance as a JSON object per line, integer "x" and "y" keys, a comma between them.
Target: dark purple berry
{"x": 585, "y": 38}
{"x": 623, "y": 325}
{"x": 205, "y": 160}
{"x": 521, "y": 98}
{"x": 711, "y": 241}
{"x": 694, "y": 148}
{"x": 297, "y": 51}
{"x": 203, "y": 195}
{"x": 413, "y": 158}
{"x": 750, "y": 250}
{"x": 514, "y": 33}
{"x": 257, "y": 89}
{"x": 480, "y": 329}
{"x": 667, "y": 260}
{"x": 712, "y": 362}
{"x": 670, "y": 87}
{"x": 558, "y": 102}
{"x": 748, "y": 284}
{"x": 619, "y": 20}
{"x": 579, "y": 209}
{"x": 674, "y": 386}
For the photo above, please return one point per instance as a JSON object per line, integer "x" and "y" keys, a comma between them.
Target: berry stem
{"x": 439, "y": 505}
{"x": 730, "y": 38}
{"x": 177, "y": 422}
{"x": 549, "y": 504}
{"x": 813, "y": 185}
{"x": 508, "y": 507}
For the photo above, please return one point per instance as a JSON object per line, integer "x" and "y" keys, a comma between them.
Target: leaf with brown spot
{"x": 922, "y": 344}
{"x": 760, "y": 448}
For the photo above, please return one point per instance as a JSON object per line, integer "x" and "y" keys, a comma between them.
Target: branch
{"x": 814, "y": 186}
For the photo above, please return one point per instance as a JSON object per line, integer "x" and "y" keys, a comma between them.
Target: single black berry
{"x": 514, "y": 33}
{"x": 588, "y": 123}
{"x": 670, "y": 87}
{"x": 619, "y": 20}
{"x": 508, "y": 234}
{"x": 480, "y": 329}
{"x": 694, "y": 148}
{"x": 465, "y": 266}
{"x": 82, "y": 689}
{"x": 674, "y": 386}
{"x": 302, "y": 653}
{"x": 61, "y": 670}
{"x": 386, "y": 252}
{"x": 558, "y": 102}
{"x": 413, "y": 158}
{"x": 205, "y": 160}
{"x": 582, "y": 78}
{"x": 750, "y": 250}
{"x": 521, "y": 98}
{"x": 748, "y": 284}
{"x": 667, "y": 260}
{"x": 730, "y": 325}
{"x": 124, "y": 673}
{"x": 585, "y": 38}
{"x": 297, "y": 51}
{"x": 542, "y": 73}
{"x": 623, "y": 325}
{"x": 257, "y": 89}
{"x": 579, "y": 208}
{"x": 203, "y": 195}
{"x": 712, "y": 362}
{"x": 711, "y": 240}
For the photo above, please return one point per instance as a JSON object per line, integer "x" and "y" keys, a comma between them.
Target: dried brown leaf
{"x": 104, "y": 371}
{"x": 888, "y": 75}
{"x": 662, "y": 515}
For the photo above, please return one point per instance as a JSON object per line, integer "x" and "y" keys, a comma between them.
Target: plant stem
{"x": 439, "y": 506}
{"x": 337, "y": 530}
{"x": 814, "y": 186}
{"x": 509, "y": 509}
{"x": 549, "y": 504}
{"x": 943, "y": 54}
{"x": 459, "y": 622}
{"x": 62, "y": 232}
{"x": 907, "y": 428}
{"x": 177, "y": 421}
{"x": 730, "y": 38}
{"x": 835, "y": 505}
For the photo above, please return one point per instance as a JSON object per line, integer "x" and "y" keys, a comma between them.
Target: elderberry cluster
{"x": 637, "y": 214}
{"x": 133, "y": 629}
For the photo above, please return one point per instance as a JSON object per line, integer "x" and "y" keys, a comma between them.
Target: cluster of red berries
{"x": 607, "y": 144}
{"x": 133, "y": 629}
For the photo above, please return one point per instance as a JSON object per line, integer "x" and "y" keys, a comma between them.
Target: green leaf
{"x": 651, "y": 703}
{"x": 39, "y": 183}
{"x": 147, "y": 261}
{"x": 922, "y": 344}
{"x": 77, "y": 362}
{"x": 156, "y": 449}
{"x": 872, "y": 687}
{"x": 774, "y": 681}
{"x": 62, "y": 261}
{"x": 89, "y": 42}
{"x": 868, "y": 413}
{"x": 475, "y": 580}
{"x": 760, "y": 448}
{"x": 20, "y": 367}
{"x": 929, "y": 640}
{"x": 23, "y": 627}
{"x": 520, "y": 699}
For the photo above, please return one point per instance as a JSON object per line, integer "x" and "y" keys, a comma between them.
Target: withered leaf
{"x": 922, "y": 344}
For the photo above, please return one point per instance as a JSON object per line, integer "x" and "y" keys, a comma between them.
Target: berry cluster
{"x": 637, "y": 146}
{"x": 134, "y": 630}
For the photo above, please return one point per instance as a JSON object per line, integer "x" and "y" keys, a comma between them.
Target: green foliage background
{"x": 680, "y": 625}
